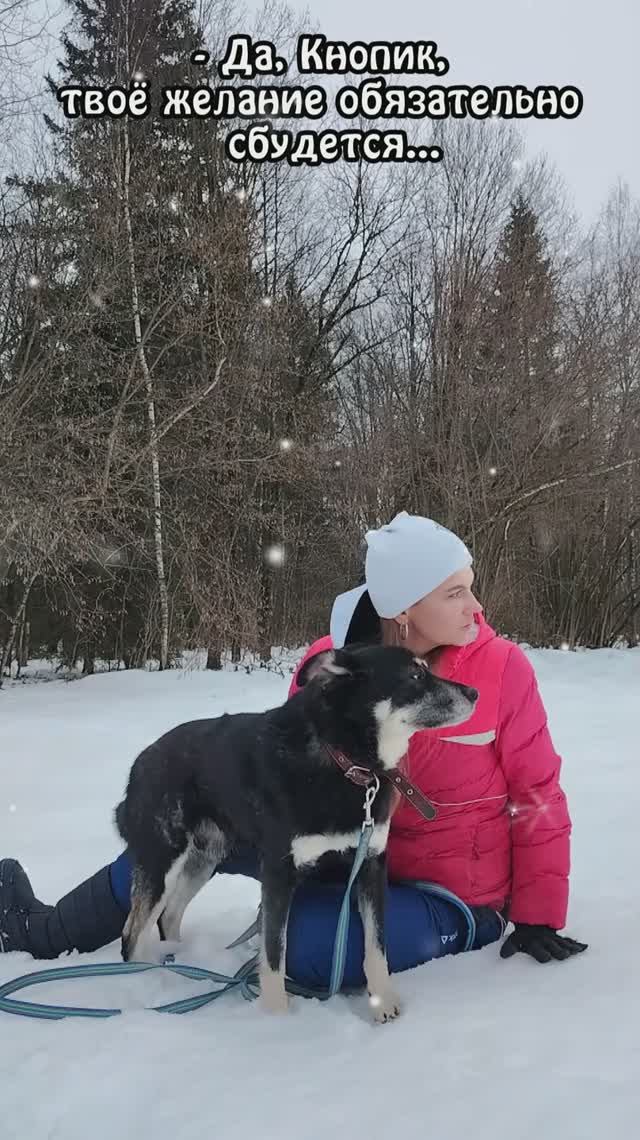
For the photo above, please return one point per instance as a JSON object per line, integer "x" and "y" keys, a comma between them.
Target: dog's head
{"x": 390, "y": 688}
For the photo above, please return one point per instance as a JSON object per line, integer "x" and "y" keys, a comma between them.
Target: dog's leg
{"x": 192, "y": 879}
{"x": 147, "y": 902}
{"x": 370, "y": 885}
{"x": 207, "y": 847}
{"x": 153, "y": 884}
{"x": 278, "y": 884}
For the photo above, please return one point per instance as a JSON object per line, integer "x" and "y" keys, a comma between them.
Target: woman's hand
{"x": 540, "y": 942}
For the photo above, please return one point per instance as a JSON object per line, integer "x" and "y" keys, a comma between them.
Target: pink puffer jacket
{"x": 501, "y": 836}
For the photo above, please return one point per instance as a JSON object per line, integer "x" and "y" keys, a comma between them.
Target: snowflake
{"x": 34, "y": 281}
{"x": 286, "y": 444}
{"x": 274, "y": 555}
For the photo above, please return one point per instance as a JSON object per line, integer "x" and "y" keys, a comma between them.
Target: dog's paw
{"x": 273, "y": 996}
{"x": 386, "y": 1005}
{"x": 275, "y": 1003}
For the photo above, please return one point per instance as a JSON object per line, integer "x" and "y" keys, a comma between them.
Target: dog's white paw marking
{"x": 385, "y": 1005}
{"x": 273, "y": 996}
{"x": 275, "y": 1004}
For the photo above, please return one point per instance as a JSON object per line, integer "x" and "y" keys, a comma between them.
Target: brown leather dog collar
{"x": 363, "y": 776}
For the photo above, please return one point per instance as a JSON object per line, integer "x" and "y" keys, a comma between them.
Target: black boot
{"x": 85, "y": 919}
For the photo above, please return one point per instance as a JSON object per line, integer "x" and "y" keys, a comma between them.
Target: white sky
{"x": 585, "y": 43}
{"x": 591, "y": 45}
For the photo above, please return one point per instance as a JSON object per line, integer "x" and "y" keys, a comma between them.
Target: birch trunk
{"x": 5, "y": 656}
{"x": 154, "y": 451}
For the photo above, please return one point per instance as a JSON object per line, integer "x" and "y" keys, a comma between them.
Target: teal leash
{"x": 107, "y": 969}
{"x": 245, "y": 980}
{"x": 342, "y": 931}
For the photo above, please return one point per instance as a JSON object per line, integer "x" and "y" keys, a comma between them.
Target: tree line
{"x": 215, "y": 377}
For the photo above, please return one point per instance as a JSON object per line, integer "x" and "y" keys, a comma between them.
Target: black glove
{"x": 541, "y": 942}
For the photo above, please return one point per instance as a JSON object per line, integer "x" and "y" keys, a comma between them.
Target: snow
{"x": 484, "y": 1046}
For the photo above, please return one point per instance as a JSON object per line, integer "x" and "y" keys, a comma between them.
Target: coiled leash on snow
{"x": 246, "y": 980}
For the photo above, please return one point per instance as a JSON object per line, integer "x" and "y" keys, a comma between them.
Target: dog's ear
{"x": 330, "y": 663}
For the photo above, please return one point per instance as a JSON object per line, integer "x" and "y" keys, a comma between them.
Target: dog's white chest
{"x": 307, "y": 849}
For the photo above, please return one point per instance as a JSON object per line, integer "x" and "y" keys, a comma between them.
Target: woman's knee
{"x": 418, "y": 928}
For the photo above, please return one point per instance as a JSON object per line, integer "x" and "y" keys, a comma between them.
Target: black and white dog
{"x": 270, "y": 779}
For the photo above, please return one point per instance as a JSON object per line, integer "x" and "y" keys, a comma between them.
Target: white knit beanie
{"x": 407, "y": 559}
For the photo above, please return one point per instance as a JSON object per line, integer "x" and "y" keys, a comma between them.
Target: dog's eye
{"x": 417, "y": 674}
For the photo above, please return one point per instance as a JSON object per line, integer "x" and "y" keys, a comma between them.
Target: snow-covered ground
{"x": 485, "y": 1047}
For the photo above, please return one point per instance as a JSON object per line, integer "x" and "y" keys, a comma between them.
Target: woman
{"x": 500, "y": 841}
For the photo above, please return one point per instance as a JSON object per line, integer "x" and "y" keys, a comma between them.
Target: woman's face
{"x": 443, "y": 617}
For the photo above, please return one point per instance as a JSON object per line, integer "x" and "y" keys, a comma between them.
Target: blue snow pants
{"x": 418, "y": 926}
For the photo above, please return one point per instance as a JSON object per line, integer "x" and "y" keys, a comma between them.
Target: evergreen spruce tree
{"x": 123, "y": 296}
{"x": 517, "y": 375}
